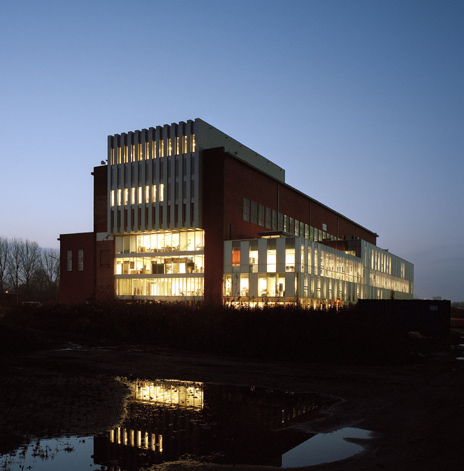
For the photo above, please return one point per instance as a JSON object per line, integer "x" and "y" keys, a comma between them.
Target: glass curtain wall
{"x": 165, "y": 265}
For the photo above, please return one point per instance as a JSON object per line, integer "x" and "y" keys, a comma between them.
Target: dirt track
{"x": 417, "y": 411}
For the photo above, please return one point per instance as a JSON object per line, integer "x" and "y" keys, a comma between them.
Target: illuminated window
{"x": 147, "y": 194}
{"x": 253, "y": 257}
{"x": 80, "y": 260}
{"x": 69, "y": 260}
{"x": 153, "y": 149}
{"x": 289, "y": 256}
{"x": 133, "y": 153}
{"x": 271, "y": 260}
{"x": 147, "y": 150}
{"x": 161, "y": 148}
{"x": 112, "y": 156}
{"x": 112, "y": 197}
{"x": 140, "y": 200}
{"x": 184, "y": 144}
{"x": 169, "y": 147}
{"x": 119, "y": 155}
{"x": 177, "y": 146}
{"x": 126, "y": 196}
{"x": 140, "y": 151}
{"x": 161, "y": 192}
{"x": 126, "y": 154}
{"x": 235, "y": 257}
{"x": 132, "y": 195}
{"x": 119, "y": 197}
{"x": 192, "y": 143}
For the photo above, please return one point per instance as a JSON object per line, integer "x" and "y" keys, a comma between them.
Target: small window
{"x": 268, "y": 218}
{"x": 254, "y": 212}
{"x": 80, "y": 260}
{"x": 246, "y": 209}
{"x": 261, "y": 215}
{"x": 69, "y": 260}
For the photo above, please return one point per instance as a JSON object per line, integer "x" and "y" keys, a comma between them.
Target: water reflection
{"x": 167, "y": 420}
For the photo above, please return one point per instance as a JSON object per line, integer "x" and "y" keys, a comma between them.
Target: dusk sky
{"x": 361, "y": 102}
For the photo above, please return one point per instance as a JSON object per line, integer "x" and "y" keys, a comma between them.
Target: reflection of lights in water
{"x": 137, "y": 439}
{"x": 170, "y": 392}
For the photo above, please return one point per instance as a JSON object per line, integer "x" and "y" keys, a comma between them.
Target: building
{"x": 183, "y": 212}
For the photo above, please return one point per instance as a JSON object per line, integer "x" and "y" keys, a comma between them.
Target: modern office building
{"x": 183, "y": 212}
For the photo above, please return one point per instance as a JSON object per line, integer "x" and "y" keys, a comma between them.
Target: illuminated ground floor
{"x": 281, "y": 269}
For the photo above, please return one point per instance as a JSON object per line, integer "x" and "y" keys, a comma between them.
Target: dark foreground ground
{"x": 416, "y": 411}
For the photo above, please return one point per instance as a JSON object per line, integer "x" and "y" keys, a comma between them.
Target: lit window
{"x": 184, "y": 144}
{"x": 169, "y": 147}
{"x": 119, "y": 155}
{"x": 192, "y": 143}
{"x": 112, "y": 156}
{"x": 153, "y": 150}
{"x": 177, "y": 146}
{"x": 147, "y": 194}
{"x": 147, "y": 150}
{"x": 161, "y": 149}
{"x": 161, "y": 192}
{"x": 112, "y": 197}
{"x": 235, "y": 257}
{"x": 133, "y": 153}
{"x": 69, "y": 260}
{"x": 126, "y": 196}
{"x": 80, "y": 260}
{"x": 140, "y": 152}
{"x": 140, "y": 200}
{"x": 119, "y": 197}
{"x": 132, "y": 195}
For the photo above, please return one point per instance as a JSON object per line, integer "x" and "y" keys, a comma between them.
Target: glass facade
{"x": 296, "y": 270}
{"x": 160, "y": 265}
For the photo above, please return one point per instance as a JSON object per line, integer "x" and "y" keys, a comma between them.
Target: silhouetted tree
{"x": 4, "y": 251}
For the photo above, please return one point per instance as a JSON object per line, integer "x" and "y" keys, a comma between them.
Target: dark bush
{"x": 287, "y": 333}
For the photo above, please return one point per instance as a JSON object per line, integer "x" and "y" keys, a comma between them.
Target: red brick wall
{"x": 77, "y": 286}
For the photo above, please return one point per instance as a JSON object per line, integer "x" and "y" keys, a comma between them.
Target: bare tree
{"x": 51, "y": 264}
{"x": 14, "y": 262}
{"x": 30, "y": 260}
{"x": 4, "y": 251}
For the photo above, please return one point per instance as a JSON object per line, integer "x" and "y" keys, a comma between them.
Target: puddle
{"x": 326, "y": 448}
{"x": 170, "y": 420}
{"x": 72, "y": 454}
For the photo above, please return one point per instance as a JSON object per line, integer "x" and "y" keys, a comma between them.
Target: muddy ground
{"x": 416, "y": 411}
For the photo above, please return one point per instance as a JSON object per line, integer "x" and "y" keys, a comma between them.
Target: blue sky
{"x": 361, "y": 102}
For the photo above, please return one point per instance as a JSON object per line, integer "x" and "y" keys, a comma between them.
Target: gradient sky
{"x": 361, "y": 102}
